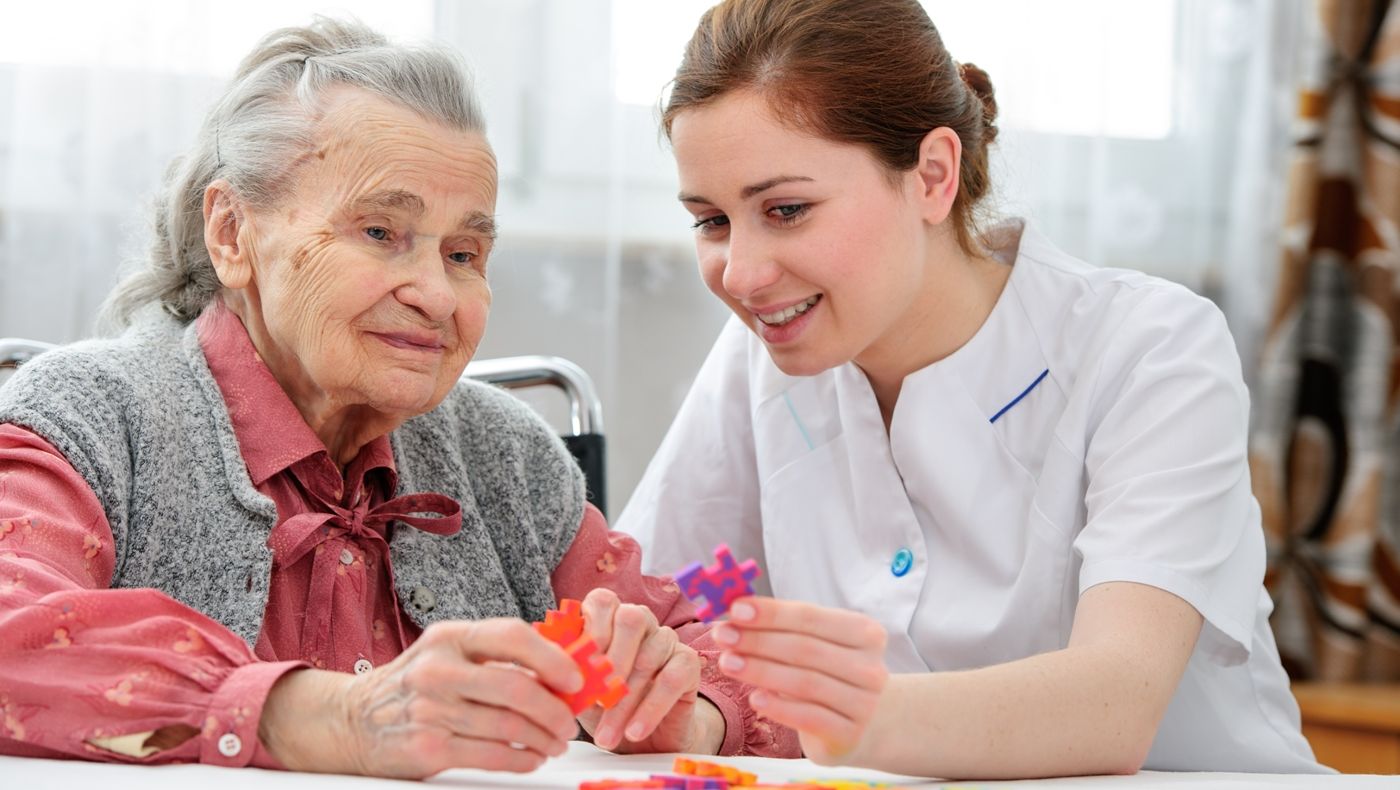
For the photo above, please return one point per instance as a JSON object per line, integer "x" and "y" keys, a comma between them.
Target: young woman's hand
{"x": 662, "y": 711}
{"x": 817, "y": 670}
{"x": 466, "y": 694}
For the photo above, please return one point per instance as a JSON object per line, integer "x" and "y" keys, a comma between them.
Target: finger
{"x": 486, "y": 723}
{"x": 863, "y": 667}
{"x": 651, "y": 658}
{"x": 598, "y": 608}
{"x": 506, "y": 686}
{"x": 632, "y": 626}
{"x": 841, "y": 626}
{"x": 839, "y": 733}
{"x": 676, "y": 684}
{"x": 507, "y": 639}
{"x": 491, "y": 756}
{"x": 798, "y": 683}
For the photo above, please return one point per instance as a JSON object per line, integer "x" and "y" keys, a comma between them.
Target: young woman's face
{"x": 807, "y": 240}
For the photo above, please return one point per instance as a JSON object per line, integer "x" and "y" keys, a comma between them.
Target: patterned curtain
{"x": 1325, "y": 446}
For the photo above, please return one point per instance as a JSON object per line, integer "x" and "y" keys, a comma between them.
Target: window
{"x": 1108, "y": 71}
{"x": 177, "y": 36}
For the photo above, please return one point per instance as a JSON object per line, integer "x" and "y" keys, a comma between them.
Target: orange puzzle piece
{"x": 563, "y": 626}
{"x": 600, "y": 685}
{"x": 733, "y": 776}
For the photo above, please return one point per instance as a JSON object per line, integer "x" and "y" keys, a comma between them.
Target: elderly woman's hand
{"x": 662, "y": 711}
{"x": 450, "y": 701}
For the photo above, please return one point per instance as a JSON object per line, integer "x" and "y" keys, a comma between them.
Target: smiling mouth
{"x": 399, "y": 341}
{"x": 783, "y": 316}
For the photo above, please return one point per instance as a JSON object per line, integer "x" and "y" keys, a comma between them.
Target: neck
{"x": 955, "y": 298}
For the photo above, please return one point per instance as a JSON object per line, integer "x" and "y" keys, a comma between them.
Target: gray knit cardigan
{"x": 142, "y": 420}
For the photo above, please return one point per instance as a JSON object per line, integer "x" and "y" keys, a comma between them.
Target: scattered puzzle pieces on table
{"x": 691, "y": 782}
{"x": 564, "y": 627}
{"x": 622, "y": 784}
{"x": 736, "y": 778}
{"x": 719, "y": 584}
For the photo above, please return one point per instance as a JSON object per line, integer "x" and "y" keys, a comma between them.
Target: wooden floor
{"x": 1354, "y": 728}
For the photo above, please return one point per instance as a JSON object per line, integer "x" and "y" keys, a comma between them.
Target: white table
{"x": 584, "y": 762}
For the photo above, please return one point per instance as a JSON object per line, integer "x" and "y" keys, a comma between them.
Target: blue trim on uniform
{"x": 1027, "y": 391}
{"x": 798, "y": 420}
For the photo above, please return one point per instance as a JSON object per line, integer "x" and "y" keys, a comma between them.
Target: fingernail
{"x": 742, "y": 611}
{"x": 726, "y": 635}
{"x": 605, "y": 737}
{"x": 730, "y": 662}
{"x": 575, "y": 683}
{"x": 636, "y": 731}
{"x": 759, "y": 698}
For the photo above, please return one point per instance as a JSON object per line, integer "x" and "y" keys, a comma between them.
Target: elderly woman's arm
{"x": 102, "y": 674}
{"x": 608, "y": 560}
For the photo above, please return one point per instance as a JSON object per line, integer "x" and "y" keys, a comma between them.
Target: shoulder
{"x": 486, "y": 414}
{"x": 82, "y": 381}
{"x": 1086, "y": 317}
{"x": 88, "y": 367}
{"x": 482, "y": 421}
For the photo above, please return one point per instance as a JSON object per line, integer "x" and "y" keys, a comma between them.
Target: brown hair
{"x": 872, "y": 73}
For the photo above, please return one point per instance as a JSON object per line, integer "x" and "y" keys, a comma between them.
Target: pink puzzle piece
{"x": 719, "y": 584}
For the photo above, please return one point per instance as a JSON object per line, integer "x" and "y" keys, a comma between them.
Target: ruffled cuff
{"x": 745, "y": 732}
{"x": 229, "y": 736}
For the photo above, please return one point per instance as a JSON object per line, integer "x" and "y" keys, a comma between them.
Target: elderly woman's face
{"x": 370, "y": 277}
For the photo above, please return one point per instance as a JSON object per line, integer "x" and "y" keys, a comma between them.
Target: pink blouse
{"x": 132, "y": 675}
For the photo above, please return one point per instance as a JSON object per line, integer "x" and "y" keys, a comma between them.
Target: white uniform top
{"x": 1093, "y": 430}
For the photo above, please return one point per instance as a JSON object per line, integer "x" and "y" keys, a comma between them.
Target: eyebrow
{"x": 478, "y": 222}
{"x": 389, "y": 200}
{"x": 748, "y": 191}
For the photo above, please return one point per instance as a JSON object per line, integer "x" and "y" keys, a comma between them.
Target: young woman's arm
{"x": 1091, "y": 708}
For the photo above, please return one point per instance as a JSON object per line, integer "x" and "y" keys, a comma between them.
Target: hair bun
{"x": 981, "y": 84}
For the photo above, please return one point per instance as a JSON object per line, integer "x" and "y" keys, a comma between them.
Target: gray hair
{"x": 258, "y": 130}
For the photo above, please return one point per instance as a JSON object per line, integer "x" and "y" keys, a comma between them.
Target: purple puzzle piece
{"x": 719, "y": 584}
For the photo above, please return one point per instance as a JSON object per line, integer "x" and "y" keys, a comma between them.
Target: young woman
{"x": 960, "y": 455}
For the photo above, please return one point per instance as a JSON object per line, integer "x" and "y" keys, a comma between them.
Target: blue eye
{"x": 708, "y": 223}
{"x": 462, "y": 257}
{"x": 789, "y": 212}
{"x": 377, "y": 233}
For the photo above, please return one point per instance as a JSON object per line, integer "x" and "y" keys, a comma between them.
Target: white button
{"x": 346, "y": 557}
{"x": 362, "y": 666}
{"x": 230, "y": 745}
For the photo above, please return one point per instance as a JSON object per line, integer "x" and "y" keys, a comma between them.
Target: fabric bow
{"x": 435, "y": 513}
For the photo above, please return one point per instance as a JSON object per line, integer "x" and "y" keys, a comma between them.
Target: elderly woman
{"x": 268, "y": 525}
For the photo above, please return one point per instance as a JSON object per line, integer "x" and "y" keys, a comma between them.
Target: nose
{"x": 426, "y": 287}
{"x": 750, "y": 265}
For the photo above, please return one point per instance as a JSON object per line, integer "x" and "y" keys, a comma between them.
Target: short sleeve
{"x": 1168, "y": 495}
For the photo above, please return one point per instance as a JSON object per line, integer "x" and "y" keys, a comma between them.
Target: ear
{"x": 939, "y": 172}
{"x": 224, "y": 220}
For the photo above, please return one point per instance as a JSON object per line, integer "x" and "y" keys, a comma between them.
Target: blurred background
{"x": 1148, "y": 134}
{"x": 1249, "y": 149}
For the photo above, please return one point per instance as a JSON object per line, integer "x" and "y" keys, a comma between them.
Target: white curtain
{"x": 1145, "y": 134}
